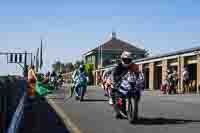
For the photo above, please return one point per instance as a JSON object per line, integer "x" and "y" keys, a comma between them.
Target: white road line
{"x": 66, "y": 120}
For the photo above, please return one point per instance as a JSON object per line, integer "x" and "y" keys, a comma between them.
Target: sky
{"x": 71, "y": 27}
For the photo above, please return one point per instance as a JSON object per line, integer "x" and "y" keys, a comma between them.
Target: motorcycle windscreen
{"x": 124, "y": 87}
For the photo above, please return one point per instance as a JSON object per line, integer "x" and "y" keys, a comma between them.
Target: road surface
{"x": 158, "y": 113}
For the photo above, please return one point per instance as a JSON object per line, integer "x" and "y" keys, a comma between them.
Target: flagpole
{"x": 34, "y": 60}
{"x": 101, "y": 57}
{"x": 41, "y": 54}
{"x": 37, "y": 60}
{"x": 31, "y": 59}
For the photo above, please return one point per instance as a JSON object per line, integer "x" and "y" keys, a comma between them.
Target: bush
{"x": 40, "y": 77}
{"x": 89, "y": 69}
{"x": 69, "y": 81}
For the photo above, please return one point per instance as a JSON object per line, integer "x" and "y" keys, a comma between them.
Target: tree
{"x": 89, "y": 71}
{"x": 69, "y": 67}
{"x": 146, "y": 54}
{"x": 107, "y": 62}
{"x": 78, "y": 63}
{"x": 58, "y": 66}
{"x": 61, "y": 67}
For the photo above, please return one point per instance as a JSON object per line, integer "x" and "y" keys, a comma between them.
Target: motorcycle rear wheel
{"x": 82, "y": 93}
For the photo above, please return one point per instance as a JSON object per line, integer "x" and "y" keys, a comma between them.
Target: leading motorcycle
{"x": 128, "y": 97}
{"x": 128, "y": 105}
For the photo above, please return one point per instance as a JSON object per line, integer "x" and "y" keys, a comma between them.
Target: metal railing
{"x": 12, "y": 100}
{"x": 17, "y": 117}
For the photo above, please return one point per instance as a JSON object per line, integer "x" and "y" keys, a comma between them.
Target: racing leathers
{"x": 81, "y": 81}
{"x": 125, "y": 80}
{"x": 118, "y": 72}
{"x": 74, "y": 79}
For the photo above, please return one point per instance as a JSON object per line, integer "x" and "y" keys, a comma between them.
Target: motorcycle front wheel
{"x": 132, "y": 110}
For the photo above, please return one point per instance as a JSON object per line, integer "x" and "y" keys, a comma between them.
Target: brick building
{"x": 155, "y": 68}
{"x": 109, "y": 52}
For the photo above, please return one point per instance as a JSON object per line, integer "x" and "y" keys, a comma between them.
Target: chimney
{"x": 113, "y": 35}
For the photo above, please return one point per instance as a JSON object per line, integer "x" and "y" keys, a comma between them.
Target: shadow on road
{"x": 162, "y": 121}
{"x": 57, "y": 98}
{"x": 39, "y": 117}
{"x": 94, "y": 100}
{"x": 67, "y": 98}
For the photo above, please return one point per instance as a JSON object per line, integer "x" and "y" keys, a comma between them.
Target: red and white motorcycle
{"x": 108, "y": 89}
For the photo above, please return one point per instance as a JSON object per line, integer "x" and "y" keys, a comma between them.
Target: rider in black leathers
{"x": 118, "y": 72}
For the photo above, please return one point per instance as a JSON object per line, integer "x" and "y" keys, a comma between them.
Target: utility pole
{"x": 25, "y": 65}
{"x": 31, "y": 59}
{"x": 101, "y": 57}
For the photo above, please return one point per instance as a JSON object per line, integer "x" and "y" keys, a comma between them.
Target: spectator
{"x": 170, "y": 81}
{"x": 32, "y": 81}
{"x": 185, "y": 75}
{"x": 164, "y": 85}
{"x": 46, "y": 78}
{"x": 174, "y": 80}
{"x": 105, "y": 77}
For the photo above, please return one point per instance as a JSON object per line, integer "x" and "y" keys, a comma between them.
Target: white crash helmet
{"x": 126, "y": 58}
{"x": 126, "y": 54}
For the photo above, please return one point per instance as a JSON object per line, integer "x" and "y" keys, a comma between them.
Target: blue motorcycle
{"x": 80, "y": 88}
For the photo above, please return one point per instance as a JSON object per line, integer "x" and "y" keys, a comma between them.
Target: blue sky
{"x": 71, "y": 27}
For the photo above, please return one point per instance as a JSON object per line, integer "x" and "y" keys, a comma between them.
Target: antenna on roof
{"x": 139, "y": 44}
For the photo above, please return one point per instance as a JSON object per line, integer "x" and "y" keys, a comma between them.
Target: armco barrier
{"x": 13, "y": 94}
{"x": 17, "y": 116}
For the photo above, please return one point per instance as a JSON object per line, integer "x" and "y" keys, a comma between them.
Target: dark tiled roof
{"x": 115, "y": 44}
{"x": 170, "y": 54}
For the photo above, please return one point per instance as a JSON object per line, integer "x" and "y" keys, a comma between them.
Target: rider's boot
{"x": 105, "y": 94}
{"x": 77, "y": 93}
{"x": 115, "y": 105}
{"x": 117, "y": 112}
{"x": 110, "y": 101}
{"x": 105, "y": 91}
{"x": 72, "y": 91}
{"x": 77, "y": 98}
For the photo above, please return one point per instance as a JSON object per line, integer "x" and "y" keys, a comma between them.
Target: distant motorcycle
{"x": 60, "y": 82}
{"x": 56, "y": 82}
{"x": 108, "y": 89}
{"x": 107, "y": 82}
{"x": 80, "y": 88}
